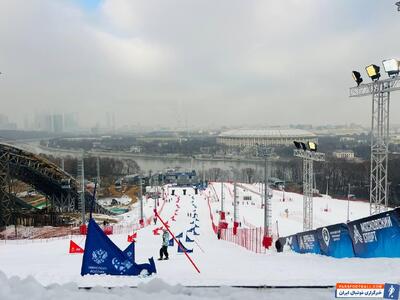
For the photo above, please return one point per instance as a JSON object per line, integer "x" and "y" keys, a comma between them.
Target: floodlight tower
{"x": 309, "y": 155}
{"x": 380, "y": 91}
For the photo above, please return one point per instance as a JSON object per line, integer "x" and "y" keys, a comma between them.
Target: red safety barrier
{"x": 214, "y": 227}
{"x": 222, "y": 225}
{"x": 251, "y": 239}
{"x": 267, "y": 241}
{"x": 108, "y": 230}
{"x": 83, "y": 229}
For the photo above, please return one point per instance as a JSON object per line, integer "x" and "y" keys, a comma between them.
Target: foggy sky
{"x": 203, "y": 63}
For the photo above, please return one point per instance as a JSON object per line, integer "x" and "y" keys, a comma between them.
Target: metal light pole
{"x": 308, "y": 158}
{"x": 222, "y": 196}
{"x": 380, "y": 91}
{"x": 235, "y": 208}
{"x": 348, "y": 204}
{"x": 98, "y": 169}
{"x": 141, "y": 199}
{"x": 266, "y": 152}
{"x": 327, "y": 185}
{"x": 204, "y": 174}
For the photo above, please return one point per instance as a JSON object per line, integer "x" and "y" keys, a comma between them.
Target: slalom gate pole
{"x": 179, "y": 244}
{"x": 198, "y": 246}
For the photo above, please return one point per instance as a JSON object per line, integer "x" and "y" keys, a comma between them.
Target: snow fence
{"x": 373, "y": 236}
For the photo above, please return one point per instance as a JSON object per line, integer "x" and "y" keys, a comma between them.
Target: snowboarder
{"x": 165, "y": 243}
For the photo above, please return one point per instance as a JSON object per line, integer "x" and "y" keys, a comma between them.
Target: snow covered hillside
{"x": 220, "y": 262}
{"x": 287, "y": 208}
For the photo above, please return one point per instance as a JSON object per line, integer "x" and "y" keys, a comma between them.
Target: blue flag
{"x": 180, "y": 250}
{"x": 188, "y": 240}
{"x": 130, "y": 251}
{"x": 102, "y": 256}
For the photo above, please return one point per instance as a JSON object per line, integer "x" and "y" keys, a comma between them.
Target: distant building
{"x": 5, "y": 124}
{"x": 268, "y": 137}
{"x": 70, "y": 122}
{"x": 135, "y": 149}
{"x": 58, "y": 123}
{"x": 344, "y": 154}
{"x": 181, "y": 178}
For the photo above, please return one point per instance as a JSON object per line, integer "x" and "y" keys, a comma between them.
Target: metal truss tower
{"x": 222, "y": 195}
{"x": 81, "y": 179}
{"x": 6, "y": 202}
{"x": 308, "y": 173}
{"x": 380, "y": 91}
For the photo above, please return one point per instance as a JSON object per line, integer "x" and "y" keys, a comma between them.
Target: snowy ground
{"x": 220, "y": 262}
{"x": 29, "y": 288}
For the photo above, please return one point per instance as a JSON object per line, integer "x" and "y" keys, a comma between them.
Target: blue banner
{"x": 130, "y": 251}
{"x": 102, "y": 256}
{"x": 377, "y": 235}
{"x": 308, "y": 242}
{"x": 188, "y": 240}
{"x": 335, "y": 241}
{"x": 290, "y": 242}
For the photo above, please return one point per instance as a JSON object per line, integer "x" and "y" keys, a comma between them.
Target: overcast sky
{"x": 205, "y": 62}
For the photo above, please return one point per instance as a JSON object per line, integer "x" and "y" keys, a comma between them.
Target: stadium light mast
{"x": 380, "y": 91}
{"x": 309, "y": 155}
{"x": 266, "y": 152}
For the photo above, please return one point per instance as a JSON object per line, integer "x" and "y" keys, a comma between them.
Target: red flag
{"x": 74, "y": 248}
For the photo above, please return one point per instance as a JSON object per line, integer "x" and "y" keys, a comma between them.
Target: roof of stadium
{"x": 268, "y": 133}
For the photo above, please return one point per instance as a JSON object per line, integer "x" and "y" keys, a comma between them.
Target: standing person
{"x": 165, "y": 242}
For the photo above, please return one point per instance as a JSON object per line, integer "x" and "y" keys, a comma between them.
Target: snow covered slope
{"x": 327, "y": 211}
{"x": 220, "y": 262}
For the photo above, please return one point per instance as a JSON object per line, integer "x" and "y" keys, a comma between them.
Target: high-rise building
{"x": 70, "y": 122}
{"x": 58, "y": 123}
